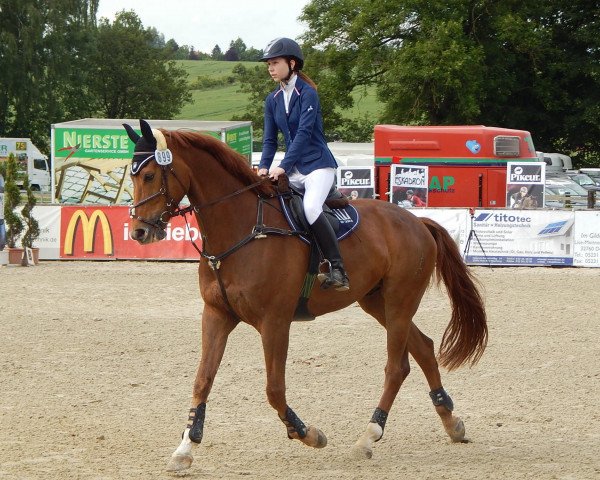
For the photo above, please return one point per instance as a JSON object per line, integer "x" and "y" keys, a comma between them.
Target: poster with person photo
{"x": 525, "y": 184}
{"x": 409, "y": 185}
{"x": 356, "y": 182}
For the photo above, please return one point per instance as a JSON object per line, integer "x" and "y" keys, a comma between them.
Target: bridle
{"x": 164, "y": 217}
{"x": 171, "y": 212}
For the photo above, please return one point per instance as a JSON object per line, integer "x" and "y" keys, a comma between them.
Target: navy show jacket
{"x": 302, "y": 129}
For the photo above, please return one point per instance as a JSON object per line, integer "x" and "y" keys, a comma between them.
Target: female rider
{"x": 294, "y": 110}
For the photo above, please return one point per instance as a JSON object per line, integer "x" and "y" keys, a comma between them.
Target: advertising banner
{"x": 525, "y": 184}
{"x": 356, "y": 182}
{"x": 92, "y": 143}
{"x": 536, "y": 237}
{"x": 91, "y": 158}
{"x": 409, "y": 185}
{"x": 586, "y": 251}
{"x": 102, "y": 233}
{"x": 48, "y": 217}
{"x": 454, "y": 220}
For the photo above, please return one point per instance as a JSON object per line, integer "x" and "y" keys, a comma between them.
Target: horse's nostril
{"x": 139, "y": 234}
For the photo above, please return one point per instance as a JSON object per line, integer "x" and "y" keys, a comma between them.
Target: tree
{"x": 251, "y": 55}
{"x": 527, "y": 64}
{"x": 43, "y": 52}
{"x": 12, "y": 199}
{"x": 132, "y": 78}
{"x": 32, "y": 227}
{"x": 217, "y": 53}
{"x": 231, "y": 55}
{"x": 238, "y": 46}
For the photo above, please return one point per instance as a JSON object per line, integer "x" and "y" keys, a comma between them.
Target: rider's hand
{"x": 263, "y": 172}
{"x": 275, "y": 172}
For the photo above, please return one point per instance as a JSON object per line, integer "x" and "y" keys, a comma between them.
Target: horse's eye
{"x": 148, "y": 177}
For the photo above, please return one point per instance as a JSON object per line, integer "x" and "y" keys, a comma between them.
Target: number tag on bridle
{"x": 163, "y": 157}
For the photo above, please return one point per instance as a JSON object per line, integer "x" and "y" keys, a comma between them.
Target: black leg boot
{"x": 325, "y": 236}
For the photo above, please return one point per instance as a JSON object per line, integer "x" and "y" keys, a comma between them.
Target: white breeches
{"x": 315, "y": 186}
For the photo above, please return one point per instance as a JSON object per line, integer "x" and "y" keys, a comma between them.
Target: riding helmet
{"x": 284, "y": 47}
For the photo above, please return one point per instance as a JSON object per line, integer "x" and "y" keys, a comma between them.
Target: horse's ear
{"x": 147, "y": 132}
{"x": 134, "y": 137}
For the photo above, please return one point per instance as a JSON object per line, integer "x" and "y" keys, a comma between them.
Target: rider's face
{"x": 278, "y": 68}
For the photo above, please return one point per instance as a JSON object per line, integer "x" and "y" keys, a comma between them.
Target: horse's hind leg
{"x": 421, "y": 348}
{"x": 216, "y": 328}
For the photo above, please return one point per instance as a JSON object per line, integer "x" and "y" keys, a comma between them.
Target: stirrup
{"x": 338, "y": 282}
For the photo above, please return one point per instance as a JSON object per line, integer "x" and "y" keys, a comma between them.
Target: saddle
{"x": 338, "y": 211}
{"x": 342, "y": 216}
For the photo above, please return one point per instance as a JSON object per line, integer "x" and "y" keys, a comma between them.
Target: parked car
{"x": 593, "y": 173}
{"x": 583, "y": 179}
{"x": 559, "y": 188}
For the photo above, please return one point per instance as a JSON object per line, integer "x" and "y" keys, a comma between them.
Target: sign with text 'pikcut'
{"x": 356, "y": 182}
{"x": 102, "y": 233}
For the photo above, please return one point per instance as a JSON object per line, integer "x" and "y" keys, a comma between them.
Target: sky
{"x": 202, "y": 24}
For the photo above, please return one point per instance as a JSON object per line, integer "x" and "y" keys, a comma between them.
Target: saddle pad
{"x": 347, "y": 216}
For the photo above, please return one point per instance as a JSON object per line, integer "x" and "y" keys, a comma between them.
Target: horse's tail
{"x": 466, "y": 335}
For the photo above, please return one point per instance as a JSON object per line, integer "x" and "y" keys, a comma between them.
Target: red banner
{"x": 102, "y": 233}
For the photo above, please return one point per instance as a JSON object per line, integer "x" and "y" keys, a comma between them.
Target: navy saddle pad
{"x": 347, "y": 218}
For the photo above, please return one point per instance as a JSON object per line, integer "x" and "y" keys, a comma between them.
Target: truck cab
{"x": 30, "y": 162}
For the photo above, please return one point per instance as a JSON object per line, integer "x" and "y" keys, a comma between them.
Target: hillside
{"x": 222, "y": 102}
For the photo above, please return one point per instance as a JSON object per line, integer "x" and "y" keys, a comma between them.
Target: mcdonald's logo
{"x": 88, "y": 228}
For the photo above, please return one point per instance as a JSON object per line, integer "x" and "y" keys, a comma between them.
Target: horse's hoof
{"x": 361, "y": 451}
{"x": 457, "y": 434}
{"x": 315, "y": 438}
{"x": 178, "y": 463}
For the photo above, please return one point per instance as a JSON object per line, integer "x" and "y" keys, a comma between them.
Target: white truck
{"x": 30, "y": 161}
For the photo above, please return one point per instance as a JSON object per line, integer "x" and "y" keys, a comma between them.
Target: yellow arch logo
{"x": 88, "y": 227}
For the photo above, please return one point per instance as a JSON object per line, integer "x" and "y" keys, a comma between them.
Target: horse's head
{"x": 157, "y": 188}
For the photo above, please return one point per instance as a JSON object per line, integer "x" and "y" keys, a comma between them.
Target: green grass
{"x": 215, "y": 104}
{"x": 210, "y": 68}
{"x": 222, "y": 103}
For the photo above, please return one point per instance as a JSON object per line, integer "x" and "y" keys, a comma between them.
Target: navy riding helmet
{"x": 284, "y": 47}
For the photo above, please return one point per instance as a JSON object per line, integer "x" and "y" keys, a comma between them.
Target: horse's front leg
{"x": 216, "y": 327}
{"x": 275, "y": 340}
{"x": 396, "y": 370}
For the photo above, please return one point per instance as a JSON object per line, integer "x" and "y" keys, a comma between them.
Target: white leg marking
{"x": 182, "y": 457}
{"x": 363, "y": 448}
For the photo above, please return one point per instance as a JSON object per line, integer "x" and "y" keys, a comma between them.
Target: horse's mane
{"x": 233, "y": 162}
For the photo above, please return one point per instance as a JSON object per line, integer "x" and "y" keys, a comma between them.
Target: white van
{"x": 555, "y": 162}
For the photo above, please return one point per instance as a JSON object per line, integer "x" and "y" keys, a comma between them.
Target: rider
{"x": 293, "y": 108}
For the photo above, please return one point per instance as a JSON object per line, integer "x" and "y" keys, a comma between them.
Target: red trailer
{"x": 467, "y": 164}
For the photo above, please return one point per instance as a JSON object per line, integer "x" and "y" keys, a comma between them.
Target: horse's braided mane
{"x": 233, "y": 162}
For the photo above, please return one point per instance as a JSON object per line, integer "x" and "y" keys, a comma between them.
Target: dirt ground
{"x": 97, "y": 361}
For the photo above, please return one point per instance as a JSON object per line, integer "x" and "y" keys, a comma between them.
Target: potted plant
{"x": 12, "y": 199}
{"x": 32, "y": 227}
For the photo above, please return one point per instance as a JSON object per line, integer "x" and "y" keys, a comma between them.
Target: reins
{"x": 260, "y": 230}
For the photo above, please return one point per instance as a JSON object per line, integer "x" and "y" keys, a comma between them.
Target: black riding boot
{"x": 325, "y": 236}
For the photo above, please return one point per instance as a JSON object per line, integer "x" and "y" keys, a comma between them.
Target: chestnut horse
{"x": 255, "y": 274}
